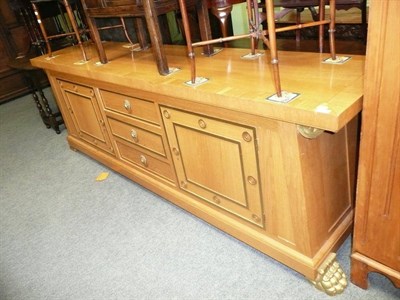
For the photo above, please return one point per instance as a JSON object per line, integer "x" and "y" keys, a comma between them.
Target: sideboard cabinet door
{"x": 85, "y": 113}
{"x": 216, "y": 161}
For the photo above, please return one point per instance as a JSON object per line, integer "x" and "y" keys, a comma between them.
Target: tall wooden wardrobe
{"x": 376, "y": 243}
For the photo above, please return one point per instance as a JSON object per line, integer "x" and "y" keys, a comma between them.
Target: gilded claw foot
{"x": 331, "y": 278}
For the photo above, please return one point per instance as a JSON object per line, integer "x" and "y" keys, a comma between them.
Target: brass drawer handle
{"x": 127, "y": 105}
{"x": 143, "y": 160}
{"x": 134, "y": 135}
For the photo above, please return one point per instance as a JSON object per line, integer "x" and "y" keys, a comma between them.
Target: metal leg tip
{"x": 285, "y": 98}
{"x": 198, "y": 81}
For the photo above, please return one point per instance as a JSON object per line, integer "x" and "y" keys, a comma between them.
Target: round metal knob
{"x": 175, "y": 151}
{"x": 216, "y": 199}
{"x": 251, "y": 180}
{"x": 134, "y": 135}
{"x": 183, "y": 184}
{"x": 202, "y": 124}
{"x": 246, "y": 136}
{"x": 166, "y": 114}
{"x": 143, "y": 160}
{"x": 256, "y": 218}
{"x": 127, "y": 105}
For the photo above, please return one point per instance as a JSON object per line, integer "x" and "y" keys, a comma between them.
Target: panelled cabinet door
{"x": 83, "y": 107}
{"x": 216, "y": 161}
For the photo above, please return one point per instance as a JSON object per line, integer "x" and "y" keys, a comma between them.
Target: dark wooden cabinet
{"x": 14, "y": 42}
{"x": 376, "y": 244}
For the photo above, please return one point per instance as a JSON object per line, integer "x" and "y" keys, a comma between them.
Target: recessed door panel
{"x": 85, "y": 113}
{"x": 216, "y": 161}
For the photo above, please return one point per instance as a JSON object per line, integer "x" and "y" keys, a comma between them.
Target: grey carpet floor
{"x": 64, "y": 235}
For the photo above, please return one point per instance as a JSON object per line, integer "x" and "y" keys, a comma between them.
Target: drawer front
{"x": 76, "y": 88}
{"x": 130, "y": 106}
{"x": 134, "y": 156}
{"x": 135, "y": 135}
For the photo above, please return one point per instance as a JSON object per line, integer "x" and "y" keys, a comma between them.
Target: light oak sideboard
{"x": 279, "y": 177}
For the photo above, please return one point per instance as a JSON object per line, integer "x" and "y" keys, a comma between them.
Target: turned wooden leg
{"x": 298, "y": 21}
{"x": 321, "y": 27}
{"x": 222, "y": 14}
{"x": 75, "y": 28}
{"x": 204, "y": 25}
{"x": 359, "y": 273}
{"x": 252, "y": 18}
{"x": 332, "y": 29}
{"x": 190, "y": 51}
{"x": 140, "y": 29}
{"x": 331, "y": 278}
{"x": 155, "y": 36}
{"x": 42, "y": 29}
{"x": 94, "y": 32}
{"x": 273, "y": 47}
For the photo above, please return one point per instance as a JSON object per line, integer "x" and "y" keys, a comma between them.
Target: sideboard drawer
{"x": 148, "y": 162}
{"x": 138, "y": 136}
{"x": 76, "y": 88}
{"x": 131, "y": 106}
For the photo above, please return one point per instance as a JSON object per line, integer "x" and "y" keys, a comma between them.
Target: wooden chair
{"x": 63, "y": 14}
{"x": 256, "y": 33}
{"x": 141, "y": 10}
{"x": 301, "y": 5}
{"x": 360, "y": 4}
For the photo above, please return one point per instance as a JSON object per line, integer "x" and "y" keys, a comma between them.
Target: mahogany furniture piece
{"x": 223, "y": 8}
{"x": 376, "y": 241}
{"x": 300, "y": 5}
{"x": 279, "y": 177}
{"x": 149, "y": 10}
{"x": 14, "y": 42}
{"x": 256, "y": 33}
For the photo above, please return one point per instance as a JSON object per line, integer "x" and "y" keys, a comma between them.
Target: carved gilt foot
{"x": 330, "y": 279}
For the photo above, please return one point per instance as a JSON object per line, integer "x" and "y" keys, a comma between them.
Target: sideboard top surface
{"x": 330, "y": 95}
